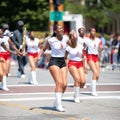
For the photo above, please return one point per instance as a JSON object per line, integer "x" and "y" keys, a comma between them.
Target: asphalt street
{"x": 29, "y": 102}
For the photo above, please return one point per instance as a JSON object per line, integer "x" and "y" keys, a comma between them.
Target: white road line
{"x": 21, "y": 85}
{"x": 64, "y": 98}
{"x": 48, "y": 93}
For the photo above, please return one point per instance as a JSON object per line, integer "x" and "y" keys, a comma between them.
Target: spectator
{"x": 18, "y": 40}
{"x": 103, "y": 39}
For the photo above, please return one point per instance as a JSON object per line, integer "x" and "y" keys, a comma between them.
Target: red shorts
{"x": 84, "y": 53}
{"x": 77, "y": 64}
{"x": 5, "y": 55}
{"x": 34, "y": 55}
{"x": 92, "y": 57}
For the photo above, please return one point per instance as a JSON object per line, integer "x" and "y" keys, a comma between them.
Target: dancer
{"x": 57, "y": 65}
{"x": 6, "y": 32}
{"x": 82, "y": 40}
{"x": 5, "y": 44}
{"x": 94, "y": 46}
{"x": 33, "y": 46}
{"x": 76, "y": 64}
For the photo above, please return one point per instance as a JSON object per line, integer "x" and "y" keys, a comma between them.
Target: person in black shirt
{"x": 17, "y": 40}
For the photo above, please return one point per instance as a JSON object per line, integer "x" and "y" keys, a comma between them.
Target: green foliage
{"x": 101, "y": 12}
{"x": 107, "y": 37}
{"x": 35, "y": 13}
{"x": 41, "y": 34}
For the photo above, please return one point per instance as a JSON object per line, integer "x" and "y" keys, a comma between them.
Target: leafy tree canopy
{"x": 101, "y": 11}
{"x": 34, "y": 13}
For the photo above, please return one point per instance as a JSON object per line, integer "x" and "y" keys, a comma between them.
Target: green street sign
{"x": 56, "y": 16}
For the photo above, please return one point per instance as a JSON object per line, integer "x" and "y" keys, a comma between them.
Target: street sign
{"x": 56, "y": 16}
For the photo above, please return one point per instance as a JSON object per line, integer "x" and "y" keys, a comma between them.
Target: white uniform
{"x": 82, "y": 40}
{"x": 75, "y": 54}
{"x": 5, "y": 40}
{"x": 0, "y": 44}
{"x": 32, "y": 45}
{"x": 58, "y": 47}
{"x": 7, "y": 33}
{"x": 93, "y": 46}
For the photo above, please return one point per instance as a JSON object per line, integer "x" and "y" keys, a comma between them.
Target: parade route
{"x": 29, "y": 102}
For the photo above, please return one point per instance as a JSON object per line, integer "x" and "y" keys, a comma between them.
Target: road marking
{"x": 21, "y": 85}
{"x": 52, "y": 93}
{"x": 65, "y": 98}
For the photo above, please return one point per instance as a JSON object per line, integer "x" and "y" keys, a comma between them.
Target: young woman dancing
{"x": 94, "y": 46}
{"x": 57, "y": 65}
{"x": 76, "y": 64}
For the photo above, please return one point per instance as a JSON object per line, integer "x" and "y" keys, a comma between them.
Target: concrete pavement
{"x": 28, "y": 102}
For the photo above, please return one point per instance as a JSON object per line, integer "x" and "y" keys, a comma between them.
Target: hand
{"x": 101, "y": 47}
{"x": 19, "y": 53}
{"x": 38, "y": 58}
{"x": 2, "y": 60}
{"x": 23, "y": 53}
{"x": 14, "y": 53}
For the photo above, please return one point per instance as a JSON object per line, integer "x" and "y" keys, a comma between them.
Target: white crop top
{"x": 32, "y": 46}
{"x": 75, "y": 54}
{"x": 93, "y": 46}
{"x": 58, "y": 47}
{"x": 5, "y": 40}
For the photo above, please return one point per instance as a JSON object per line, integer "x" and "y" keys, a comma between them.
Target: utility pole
{"x": 56, "y": 13}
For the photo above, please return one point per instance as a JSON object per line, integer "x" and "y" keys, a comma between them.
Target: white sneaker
{"x": 9, "y": 74}
{"x": 59, "y": 108}
{"x": 76, "y": 99}
{"x": 22, "y": 76}
{"x": 35, "y": 83}
{"x": 30, "y": 82}
{"x": 94, "y": 94}
{"x": 54, "y": 104}
{"x": 5, "y": 89}
{"x": 85, "y": 86}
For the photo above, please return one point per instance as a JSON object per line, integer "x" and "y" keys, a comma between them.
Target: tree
{"x": 102, "y": 12}
{"x": 35, "y": 13}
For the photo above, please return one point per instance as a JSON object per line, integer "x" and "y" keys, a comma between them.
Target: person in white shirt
{"x": 82, "y": 40}
{"x": 74, "y": 54}
{"x": 5, "y": 44}
{"x": 6, "y": 31}
{"x": 33, "y": 47}
{"x": 57, "y": 65}
{"x": 95, "y": 46}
